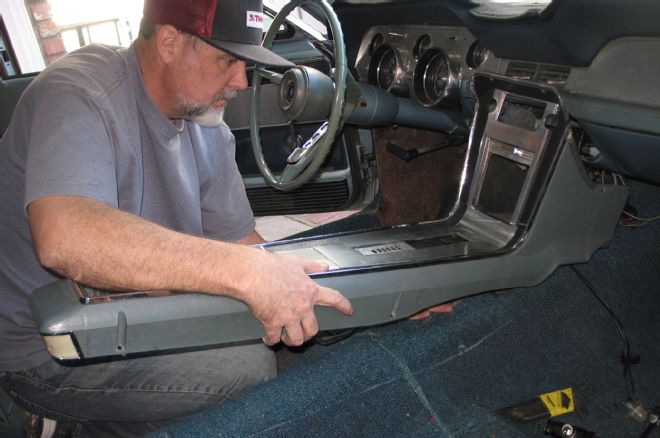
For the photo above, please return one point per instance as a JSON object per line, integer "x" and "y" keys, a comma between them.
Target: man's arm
{"x": 101, "y": 246}
{"x": 252, "y": 238}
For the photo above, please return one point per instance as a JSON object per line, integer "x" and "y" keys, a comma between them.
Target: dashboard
{"x": 613, "y": 100}
{"x": 431, "y": 64}
{"x": 428, "y": 64}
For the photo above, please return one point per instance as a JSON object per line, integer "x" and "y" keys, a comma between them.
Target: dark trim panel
{"x": 570, "y": 33}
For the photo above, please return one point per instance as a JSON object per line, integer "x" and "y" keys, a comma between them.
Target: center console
{"x": 525, "y": 206}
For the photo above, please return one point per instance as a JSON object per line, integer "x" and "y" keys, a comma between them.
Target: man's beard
{"x": 205, "y": 114}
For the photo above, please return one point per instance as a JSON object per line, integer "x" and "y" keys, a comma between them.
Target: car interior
{"x": 503, "y": 132}
{"x": 484, "y": 147}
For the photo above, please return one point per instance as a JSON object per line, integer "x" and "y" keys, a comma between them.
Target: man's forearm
{"x": 101, "y": 246}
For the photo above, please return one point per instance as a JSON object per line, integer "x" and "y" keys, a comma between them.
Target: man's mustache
{"x": 226, "y": 95}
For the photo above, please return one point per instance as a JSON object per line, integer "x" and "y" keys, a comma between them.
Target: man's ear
{"x": 168, "y": 41}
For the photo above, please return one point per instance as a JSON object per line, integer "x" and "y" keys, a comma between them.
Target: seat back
{"x": 10, "y": 91}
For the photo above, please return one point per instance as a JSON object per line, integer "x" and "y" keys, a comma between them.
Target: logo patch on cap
{"x": 255, "y": 19}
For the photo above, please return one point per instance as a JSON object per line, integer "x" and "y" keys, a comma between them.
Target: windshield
{"x": 490, "y": 9}
{"x": 508, "y": 9}
{"x": 299, "y": 17}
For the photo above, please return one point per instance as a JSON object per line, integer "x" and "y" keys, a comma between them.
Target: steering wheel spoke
{"x": 308, "y": 147}
{"x": 272, "y": 76}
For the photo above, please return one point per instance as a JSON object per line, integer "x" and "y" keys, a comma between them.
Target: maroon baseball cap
{"x": 234, "y": 26}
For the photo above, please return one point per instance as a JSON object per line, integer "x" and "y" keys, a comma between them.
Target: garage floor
{"x": 278, "y": 227}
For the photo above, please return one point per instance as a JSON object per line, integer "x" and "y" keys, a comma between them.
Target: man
{"x": 117, "y": 172}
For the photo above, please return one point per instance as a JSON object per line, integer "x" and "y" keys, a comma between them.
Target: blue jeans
{"x": 133, "y": 397}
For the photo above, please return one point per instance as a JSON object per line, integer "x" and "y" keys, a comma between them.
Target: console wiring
{"x": 617, "y": 179}
{"x": 627, "y": 357}
{"x": 641, "y": 221}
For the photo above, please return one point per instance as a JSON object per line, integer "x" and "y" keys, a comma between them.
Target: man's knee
{"x": 254, "y": 364}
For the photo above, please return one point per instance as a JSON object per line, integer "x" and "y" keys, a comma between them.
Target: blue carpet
{"x": 448, "y": 375}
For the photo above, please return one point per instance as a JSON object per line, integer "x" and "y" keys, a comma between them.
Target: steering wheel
{"x": 303, "y": 94}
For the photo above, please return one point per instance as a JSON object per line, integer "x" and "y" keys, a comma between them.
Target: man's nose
{"x": 239, "y": 77}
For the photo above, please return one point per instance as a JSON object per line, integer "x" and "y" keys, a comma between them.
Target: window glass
{"x": 82, "y": 22}
{"x": 37, "y": 34}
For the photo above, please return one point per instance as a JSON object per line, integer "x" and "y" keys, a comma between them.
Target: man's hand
{"x": 441, "y": 308}
{"x": 282, "y": 297}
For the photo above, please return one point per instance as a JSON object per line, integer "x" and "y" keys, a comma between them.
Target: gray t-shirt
{"x": 87, "y": 127}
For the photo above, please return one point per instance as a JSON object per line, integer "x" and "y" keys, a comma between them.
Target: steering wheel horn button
{"x": 305, "y": 94}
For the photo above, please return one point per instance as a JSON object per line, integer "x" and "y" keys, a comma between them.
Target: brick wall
{"x": 47, "y": 32}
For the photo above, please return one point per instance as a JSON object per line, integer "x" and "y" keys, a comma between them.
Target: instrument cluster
{"x": 426, "y": 63}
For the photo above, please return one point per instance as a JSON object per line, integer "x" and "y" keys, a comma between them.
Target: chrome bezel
{"x": 423, "y": 43}
{"x": 419, "y": 89}
{"x": 469, "y": 56}
{"x": 377, "y": 41}
{"x": 375, "y": 66}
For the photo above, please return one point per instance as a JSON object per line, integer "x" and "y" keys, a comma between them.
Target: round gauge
{"x": 376, "y": 42}
{"x": 383, "y": 68}
{"x": 476, "y": 55}
{"x": 431, "y": 78}
{"x": 422, "y": 44}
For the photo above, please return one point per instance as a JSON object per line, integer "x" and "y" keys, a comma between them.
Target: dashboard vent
{"x": 553, "y": 75}
{"x": 311, "y": 198}
{"x": 521, "y": 70}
